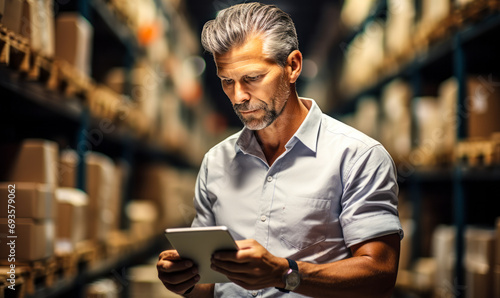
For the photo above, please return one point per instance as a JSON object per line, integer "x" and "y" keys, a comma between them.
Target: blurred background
{"x": 108, "y": 106}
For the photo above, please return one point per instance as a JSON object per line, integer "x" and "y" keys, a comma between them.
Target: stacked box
{"x": 2, "y": 8}
{"x": 121, "y": 177}
{"x": 433, "y": 13}
{"x": 479, "y": 262}
{"x": 32, "y": 160}
{"x": 367, "y": 115}
{"x": 443, "y": 251}
{"x": 35, "y": 239}
{"x": 448, "y": 112}
{"x": 104, "y": 186}
{"x": 429, "y": 134}
{"x": 68, "y": 165}
{"x": 483, "y": 106}
{"x": 171, "y": 191}
{"x": 145, "y": 91}
{"x": 33, "y": 200}
{"x": 142, "y": 215}
{"x": 355, "y": 12}
{"x": 100, "y": 175}
{"x": 35, "y": 213}
{"x": 395, "y": 131}
{"x": 73, "y": 40}
{"x": 37, "y": 24}
{"x": 399, "y": 27}
{"x": 29, "y": 169}
{"x": 72, "y": 207}
{"x": 12, "y": 13}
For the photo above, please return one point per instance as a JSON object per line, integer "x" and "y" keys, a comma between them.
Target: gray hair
{"x": 235, "y": 24}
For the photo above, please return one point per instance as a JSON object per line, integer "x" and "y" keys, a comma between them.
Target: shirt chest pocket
{"x": 305, "y": 222}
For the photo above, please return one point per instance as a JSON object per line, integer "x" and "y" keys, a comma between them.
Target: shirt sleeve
{"x": 370, "y": 198}
{"x": 204, "y": 215}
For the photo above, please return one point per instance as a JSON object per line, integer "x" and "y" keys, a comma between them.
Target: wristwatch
{"x": 291, "y": 277}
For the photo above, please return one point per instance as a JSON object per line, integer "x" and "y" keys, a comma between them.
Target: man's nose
{"x": 240, "y": 93}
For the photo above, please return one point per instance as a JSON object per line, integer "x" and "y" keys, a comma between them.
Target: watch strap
{"x": 293, "y": 265}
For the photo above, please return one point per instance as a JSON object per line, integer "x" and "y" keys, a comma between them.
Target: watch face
{"x": 293, "y": 279}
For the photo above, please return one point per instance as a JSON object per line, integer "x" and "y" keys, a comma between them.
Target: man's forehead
{"x": 251, "y": 51}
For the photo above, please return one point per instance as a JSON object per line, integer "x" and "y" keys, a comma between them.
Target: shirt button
{"x": 269, "y": 178}
{"x": 255, "y": 293}
{"x": 263, "y": 218}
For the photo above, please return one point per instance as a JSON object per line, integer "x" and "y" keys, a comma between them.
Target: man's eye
{"x": 227, "y": 81}
{"x": 251, "y": 79}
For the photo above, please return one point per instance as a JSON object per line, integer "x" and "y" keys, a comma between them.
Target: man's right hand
{"x": 178, "y": 275}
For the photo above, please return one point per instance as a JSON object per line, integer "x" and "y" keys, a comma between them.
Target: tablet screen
{"x": 198, "y": 244}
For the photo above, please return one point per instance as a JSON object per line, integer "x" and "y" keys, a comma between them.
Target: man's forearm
{"x": 201, "y": 291}
{"x": 371, "y": 272}
{"x": 353, "y": 277}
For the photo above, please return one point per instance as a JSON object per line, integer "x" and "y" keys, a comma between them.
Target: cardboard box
{"x": 72, "y": 206}
{"x": 74, "y": 40}
{"x": 447, "y": 94}
{"x": 68, "y": 164}
{"x": 12, "y": 14}
{"x": 115, "y": 182}
{"x": 395, "y": 134}
{"x": 483, "y": 107}
{"x": 32, "y": 200}
{"x": 32, "y": 160}
{"x": 35, "y": 240}
{"x": 121, "y": 178}
{"x": 172, "y": 191}
{"x": 479, "y": 262}
{"x": 2, "y": 8}
{"x": 443, "y": 251}
{"x": 399, "y": 27}
{"x": 100, "y": 176}
{"x": 37, "y": 24}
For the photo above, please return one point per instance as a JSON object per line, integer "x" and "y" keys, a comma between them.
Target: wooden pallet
{"x": 70, "y": 263}
{"x": 479, "y": 152}
{"x": 118, "y": 244}
{"x": 15, "y": 51}
{"x": 31, "y": 275}
{"x": 71, "y": 81}
{"x": 43, "y": 70}
{"x": 88, "y": 252}
{"x": 19, "y": 292}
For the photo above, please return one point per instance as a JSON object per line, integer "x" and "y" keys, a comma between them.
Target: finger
{"x": 226, "y": 256}
{"x": 246, "y": 243}
{"x": 177, "y": 277}
{"x": 174, "y": 266}
{"x": 230, "y": 266}
{"x": 171, "y": 255}
{"x": 181, "y": 288}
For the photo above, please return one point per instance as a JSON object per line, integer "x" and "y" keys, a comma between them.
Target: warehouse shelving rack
{"x": 29, "y": 109}
{"x": 452, "y": 55}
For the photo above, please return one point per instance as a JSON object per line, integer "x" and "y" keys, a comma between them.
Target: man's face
{"x": 257, "y": 87}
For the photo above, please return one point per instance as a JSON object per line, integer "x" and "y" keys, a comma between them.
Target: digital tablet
{"x": 198, "y": 244}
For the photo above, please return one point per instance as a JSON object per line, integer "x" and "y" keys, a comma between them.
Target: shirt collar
{"x": 307, "y": 133}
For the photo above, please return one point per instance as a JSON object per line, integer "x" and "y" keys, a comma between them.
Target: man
{"x": 314, "y": 200}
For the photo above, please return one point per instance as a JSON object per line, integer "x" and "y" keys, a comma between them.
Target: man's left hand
{"x": 251, "y": 267}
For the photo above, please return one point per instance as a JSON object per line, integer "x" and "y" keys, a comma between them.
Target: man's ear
{"x": 294, "y": 65}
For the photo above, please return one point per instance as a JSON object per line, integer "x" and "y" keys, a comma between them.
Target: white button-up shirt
{"x": 332, "y": 188}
